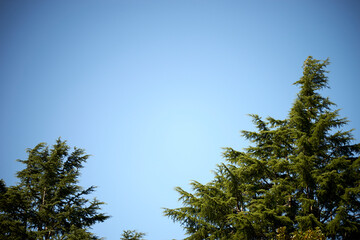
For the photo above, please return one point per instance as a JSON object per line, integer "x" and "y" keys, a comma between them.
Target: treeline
{"x": 299, "y": 179}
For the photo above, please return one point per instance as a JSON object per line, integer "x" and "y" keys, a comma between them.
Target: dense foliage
{"x": 299, "y": 175}
{"x": 47, "y": 203}
{"x": 310, "y": 234}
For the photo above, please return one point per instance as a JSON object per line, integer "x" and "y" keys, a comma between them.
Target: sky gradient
{"x": 154, "y": 89}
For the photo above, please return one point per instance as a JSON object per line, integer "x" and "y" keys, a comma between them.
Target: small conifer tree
{"x": 300, "y": 174}
{"x": 48, "y": 203}
{"x": 132, "y": 235}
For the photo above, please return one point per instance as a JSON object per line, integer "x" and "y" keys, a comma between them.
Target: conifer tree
{"x": 301, "y": 173}
{"x": 48, "y": 203}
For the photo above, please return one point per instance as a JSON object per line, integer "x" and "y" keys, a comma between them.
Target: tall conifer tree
{"x": 299, "y": 174}
{"x": 48, "y": 203}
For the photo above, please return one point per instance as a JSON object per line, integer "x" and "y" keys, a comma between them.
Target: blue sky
{"x": 154, "y": 89}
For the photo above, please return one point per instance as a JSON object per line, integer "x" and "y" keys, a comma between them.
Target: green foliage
{"x": 301, "y": 174}
{"x": 299, "y": 235}
{"x": 132, "y": 235}
{"x": 48, "y": 203}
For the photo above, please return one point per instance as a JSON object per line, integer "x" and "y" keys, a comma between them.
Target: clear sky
{"x": 154, "y": 89}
